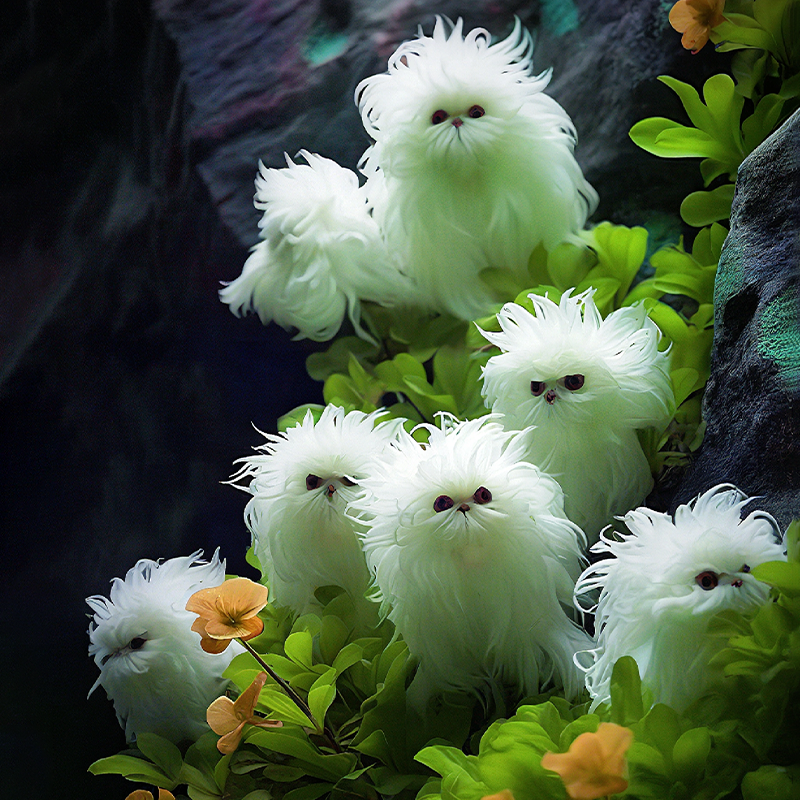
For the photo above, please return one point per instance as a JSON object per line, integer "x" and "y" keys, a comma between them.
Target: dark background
{"x": 129, "y": 139}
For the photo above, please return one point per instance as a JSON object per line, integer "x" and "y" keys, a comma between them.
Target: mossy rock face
{"x": 752, "y": 402}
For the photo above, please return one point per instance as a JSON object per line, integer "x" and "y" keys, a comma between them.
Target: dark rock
{"x": 752, "y": 403}
{"x": 280, "y": 77}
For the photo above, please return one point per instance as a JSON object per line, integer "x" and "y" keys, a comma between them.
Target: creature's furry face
{"x": 448, "y": 98}
{"x": 461, "y": 489}
{"x": 151, "y": 663}
{"x": 567, "y": 367}
{"x": 300, "y": 488}
{"x": 665, "y": 581}
{"x": 145, "y": 614}
{"x": 696, "y": 565}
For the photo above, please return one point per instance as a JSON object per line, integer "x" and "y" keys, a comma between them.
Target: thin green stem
{"x": 293, "y": 696}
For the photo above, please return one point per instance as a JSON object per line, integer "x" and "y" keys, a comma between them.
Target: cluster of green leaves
{"x": 740, "y": 741}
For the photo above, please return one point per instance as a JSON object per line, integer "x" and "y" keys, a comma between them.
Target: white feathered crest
{"x": 472, "y": 167}
{"x": 301, "y": 482}
{"x": 474, "y": 559}
{"x": 320, "y": 253}
{"x": 664, "y": 580}
{"x": 151, "y": 663}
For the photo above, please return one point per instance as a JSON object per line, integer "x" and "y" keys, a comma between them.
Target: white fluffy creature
{"x": 472, "y": 165}
{"x": 586, "y": 385}
{"x": 474, "y": 560}
{"x": 664, "y": 580}
{"x": 151, "y": 663}
{"x": 301, "y": 482}
{"x": 321, "y": 251}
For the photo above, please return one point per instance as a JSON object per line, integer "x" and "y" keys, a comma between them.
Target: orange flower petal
{"x": 214, "y": 645}
{"x": 234, "y": 629}
{"x": 221, "y": 716}
{"x": 230, "y": 741}
{"x": 163, "y": 794}
{"x": 140, "y": 794}
{"x": 594, "y": 765}
{"x": 246, "y": 702}
{"x": 681, "y": 16}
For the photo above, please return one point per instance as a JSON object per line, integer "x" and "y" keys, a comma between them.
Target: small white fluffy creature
{"x": 151, "y": 663}
{"x": 475, "y": 560}
{"x": 300, "y": 484}
{"x": 320, "y": 253}
{"x": 472, "y": 165}
{"x": 665, "y": 580}
{"x": 586, "y": 385}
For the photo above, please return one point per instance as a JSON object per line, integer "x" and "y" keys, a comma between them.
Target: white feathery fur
{"x": 482, "y": 590}
{"x": 469, "y": 192}
{"x": 585, "y": 438}
{"x": 151, "y": 663}
{"x": 652, "y": 605}
{"x": 301, "y": 535}
{"x": 320, "y": 253}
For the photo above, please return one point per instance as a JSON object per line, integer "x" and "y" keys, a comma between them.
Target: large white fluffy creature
{"x": 151, "y": 663}
{"x": 475, "y": 560}
{"x": 321, "y": 251}
{"x": 301, "y": 482}
{"x": 472, "y": 165}
{"x": 664, "y": 580}
{"x": 587, "y": 385}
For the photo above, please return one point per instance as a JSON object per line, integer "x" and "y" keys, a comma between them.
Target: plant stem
{"x": 293, "y": 696}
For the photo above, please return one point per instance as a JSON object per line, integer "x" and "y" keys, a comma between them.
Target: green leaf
{"x": 626, "y": 692}
{"x": 298, "y": 648}
{"x": 737, "y": 31}
{"x": 695, "y": 108}
{"x": 762, "y": 122}
{"x": 668, "y": 139}
{"x": 135, "y": 769}
{"x": 332, "y": 638}
{"x": 161, "y": 752}
{"x": 769, "y": 783}
{"x": 310, "y": 792}
{"x": 348, "y": 656}
{"x": 703, "y": 208}
{"x": 783, "y": 575}
{"x": 661, "y": 727}
{"x": 321, "y": 695}
{"x": 690, "y": 754}
{"x": 337, "y": 357}
{"x": 281, "y": 707}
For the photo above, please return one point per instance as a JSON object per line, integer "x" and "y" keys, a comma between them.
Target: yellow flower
{"x": 228, "y": 718}
{"x": 228, "y": 612}
{"x": 143, "y": 794}
{"x": 595, "y": 763}
{"x": 695, "y": 19}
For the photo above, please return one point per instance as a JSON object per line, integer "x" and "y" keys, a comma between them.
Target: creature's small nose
{"x": 330, "y": 490}
{"x": 463, "y": 507}
{"x": 551, "y": 396}
{"x": 457, "y": 121}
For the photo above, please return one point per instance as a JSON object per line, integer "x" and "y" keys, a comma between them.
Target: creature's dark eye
{"x": 707, "y": 580}
{"x": 482, "y": 496}
{"x": 313, "y": 482}
{"x": 442, "y": 503}
{"x": 347, "y": 481}
{"x": 476, "y": 112}
{"x": 439, "y": 116}
{"x": 573, "y": 382}
{"x": 745, "y": 568}
{"x": 137, "y": 643}
{"x": 537, "y": 387}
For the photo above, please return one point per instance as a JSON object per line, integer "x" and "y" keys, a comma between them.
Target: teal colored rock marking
{"x": 559, "y": 16}
{"x": 323, "y": 44}
{"x": 730, "y": 275}
{"x": 778, "y": 336}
